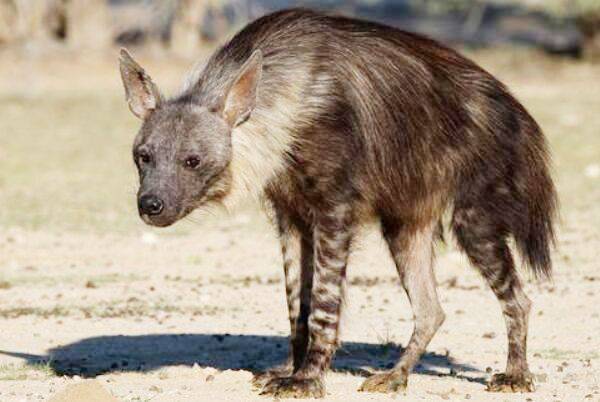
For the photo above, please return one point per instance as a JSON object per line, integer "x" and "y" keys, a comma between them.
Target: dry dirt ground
{"x": 187, "y": 313}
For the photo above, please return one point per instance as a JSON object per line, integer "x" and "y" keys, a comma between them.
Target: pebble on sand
{"x": 88, "y": 391}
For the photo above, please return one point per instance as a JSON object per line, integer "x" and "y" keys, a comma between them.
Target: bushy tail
{"x": 535, "y": 235}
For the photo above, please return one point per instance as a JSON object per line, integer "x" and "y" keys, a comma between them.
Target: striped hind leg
{"x": 412, "y": 251}
{"x": 484, "y": 241}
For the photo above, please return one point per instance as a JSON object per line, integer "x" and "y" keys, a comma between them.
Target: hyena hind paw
{"x": 291, "y": 387}
{"x": 391, "y": 381}
{"x": 511, "y": 383}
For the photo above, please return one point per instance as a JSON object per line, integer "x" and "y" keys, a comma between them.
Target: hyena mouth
{"x": 154, "y": 221}
{"x": 160, "y": 221}
{"x": 165, "y": 220}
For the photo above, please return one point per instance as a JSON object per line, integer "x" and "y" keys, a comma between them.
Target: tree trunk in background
{"x": 88, "y": 24}
{"x": 185, "y": 29}
{"x": 56, "y": 18}
{"x": 23, "y": 20}
{"x": 589, "y": 24}
{"x": 8, "y": 22}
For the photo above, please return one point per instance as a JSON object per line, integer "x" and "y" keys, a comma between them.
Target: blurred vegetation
{"x": 80, "y": 22}
{"x": 97, "y": 24}
{"x": 572, "y": 7}
{"x": 562, "y": 8}
{"x": 586, "y": 14}
{"x": 186, "y": 25}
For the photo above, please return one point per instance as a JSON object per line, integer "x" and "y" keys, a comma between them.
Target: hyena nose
{"x": 150, "y": 205}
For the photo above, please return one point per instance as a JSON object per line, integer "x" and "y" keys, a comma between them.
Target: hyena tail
{"x": 534, "y": 232}
{"x": 513, "y": 196}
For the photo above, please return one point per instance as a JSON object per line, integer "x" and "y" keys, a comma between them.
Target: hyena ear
{"x": 242, "y": 95}
{"x": 141, "y": 93}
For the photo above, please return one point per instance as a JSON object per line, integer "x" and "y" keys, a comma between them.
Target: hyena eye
{"x": 192, "y": 162}
{"x": 144, "y": 157}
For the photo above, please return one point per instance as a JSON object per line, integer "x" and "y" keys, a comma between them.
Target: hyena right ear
{"x": 242, "y": 95}
{"x": 141, "y": 93}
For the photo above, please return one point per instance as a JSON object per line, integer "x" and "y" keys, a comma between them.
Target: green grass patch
{"x": 22, "y": 372}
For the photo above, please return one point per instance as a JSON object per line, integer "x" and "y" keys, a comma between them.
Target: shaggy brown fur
{"x": 335, "y": 121}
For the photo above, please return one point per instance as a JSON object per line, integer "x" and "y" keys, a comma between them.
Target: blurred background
{"x": 568, "y": 27}
{"x": 79, "y": 269}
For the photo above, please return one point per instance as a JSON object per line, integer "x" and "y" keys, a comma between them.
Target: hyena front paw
{"x": 259, "y": 380}
{"x": 390, "y": 381}
{"x": 292, "y": 387}
{"x": 522, "y": 382}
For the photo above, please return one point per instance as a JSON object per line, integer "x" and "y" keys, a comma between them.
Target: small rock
{"x": 592, "y": 171}
{"x": 88, "y": 391}
{"x": 149, "y": 238}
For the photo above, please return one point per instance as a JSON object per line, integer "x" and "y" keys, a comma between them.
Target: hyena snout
{"x": 150, "y": 205}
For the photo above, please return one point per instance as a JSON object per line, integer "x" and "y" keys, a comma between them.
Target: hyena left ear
{"x": 142, "y": 94}
{"x": 242, "y": 96}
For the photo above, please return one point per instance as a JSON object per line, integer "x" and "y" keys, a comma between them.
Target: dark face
{"x": 183, "y": 150}
{"x": 182, "y": 153}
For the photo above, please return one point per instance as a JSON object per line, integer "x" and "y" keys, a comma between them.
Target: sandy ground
{"x": 186, "y": 314}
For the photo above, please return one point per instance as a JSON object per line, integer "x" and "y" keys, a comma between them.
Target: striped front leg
{"x": 297, "y": 251}
{"x": 332, "y": 237}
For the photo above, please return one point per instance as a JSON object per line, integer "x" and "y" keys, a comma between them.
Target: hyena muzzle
{"x": 334, "y": 121}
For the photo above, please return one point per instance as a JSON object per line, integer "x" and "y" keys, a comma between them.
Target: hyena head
{"x": 183, "y": 149}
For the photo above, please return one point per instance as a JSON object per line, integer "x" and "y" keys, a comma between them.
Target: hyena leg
{"x": 487, "y": 249}
{"x": 412, "y": 252}
{"x": 332, "y": 237}
{"x": 297, "y": 252}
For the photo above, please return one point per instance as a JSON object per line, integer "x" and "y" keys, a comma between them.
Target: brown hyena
{"x": 334, "y": 121}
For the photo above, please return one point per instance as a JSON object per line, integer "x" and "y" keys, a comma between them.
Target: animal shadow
{"x": 105, "y": 354}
